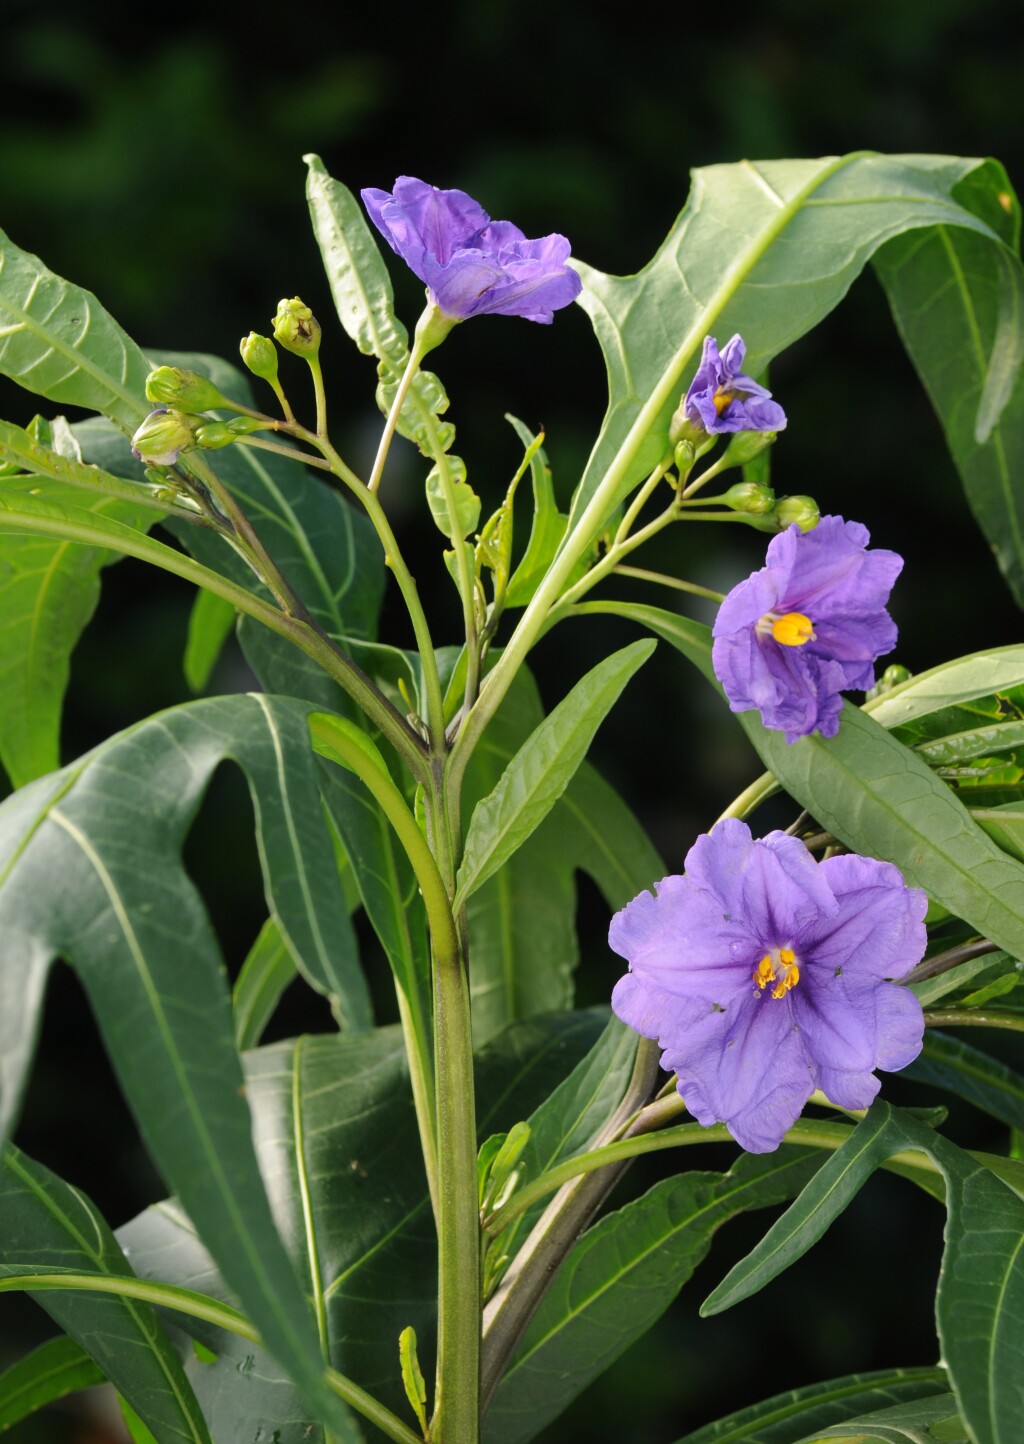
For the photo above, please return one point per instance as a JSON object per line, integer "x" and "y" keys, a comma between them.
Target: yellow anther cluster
{"x": 793, "y": 629}
{"x": 787, "y": 975}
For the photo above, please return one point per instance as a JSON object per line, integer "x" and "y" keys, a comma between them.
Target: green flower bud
{"x": 745, "y": 445}
{"x": 749, "y": 496}
{"x": 892, "y": 677}
{"x": 803, "y": 510}
{"x": 684, "y": 456}
{"x": 185, "y": 390}
{"x": 681, "y": 428}
{"x": 260, "y": 355}
{"x": 162, "y": 437}
{"x": 296, "y": 328}
{"x": 212, "y": 435}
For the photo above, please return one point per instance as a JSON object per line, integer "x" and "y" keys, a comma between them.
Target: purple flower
{"x": 722, "y": 398}
{"x": 806, "y": 627}
{"x": 469, "y": 263}
{"x": 764, "y": 975}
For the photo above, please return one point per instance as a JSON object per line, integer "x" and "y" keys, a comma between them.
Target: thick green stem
{"x": 200, "y": 1306}
{"x": 457, "y": 1409}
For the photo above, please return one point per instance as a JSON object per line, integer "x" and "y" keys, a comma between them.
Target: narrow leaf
{"x": 48, "y": 1225}
{"x": 266, "y": 972}
{"x": 209, "y": 625}
{"x": 981, "y": 1288}
{"x": 958, "y": 1067}
{"x": 542, "y": 768}
{"x": 620, "y": 1277}
{"x": 793, "y": 1416}
{"x": 53, "y": 1370}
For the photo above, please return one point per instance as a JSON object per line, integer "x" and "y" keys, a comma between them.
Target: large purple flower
{"x": 806, "y": 627}
{"x": 722, "y": 398}
{"x": 764, "y": 975}
{"x": 469, "y": 263}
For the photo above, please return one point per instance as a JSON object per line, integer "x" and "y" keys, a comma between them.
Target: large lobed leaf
{"x": 102, "y": 841}
{"x": 766, "y": 249}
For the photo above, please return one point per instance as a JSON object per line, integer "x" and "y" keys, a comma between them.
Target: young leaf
{"x": 266, "y": 972}
{"x": 796, "y": 1415}
{"x": 548, "y": 526}
{"x": 58, "y": 341}
{"x": 412, "y": 1376}
{"x": 935, "y": 1419}
{"x": 620, "y": 1277}
{"x": 53, "y": 1370}
{"x": 46, "y": 1226}
{"x": 981, "y": 1288}
{"x": 209, "y": 626}
{"x": 766, "y": 250}
{"x": 362, "y": 293}
{"x": 542, "y": 768}
{"x": 956, "y": 1066}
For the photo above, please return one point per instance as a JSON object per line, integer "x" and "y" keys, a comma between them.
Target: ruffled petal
{"x": 878, "y": 929}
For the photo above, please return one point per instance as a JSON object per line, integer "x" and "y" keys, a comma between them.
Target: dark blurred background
{"x": 156, "y": 159}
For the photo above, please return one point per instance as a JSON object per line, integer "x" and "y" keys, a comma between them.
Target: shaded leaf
{"x": 46, "y": 1226}
{"x": 268, "y": 969}
{"x": 53, "y": 1370}
{"x": 980, "y": 1301}
{"x": 620, "y": 1277}
{"x": 790, "y": 1417}
{"x": 958, "y": 1067}
{"x": 210, "y": 624}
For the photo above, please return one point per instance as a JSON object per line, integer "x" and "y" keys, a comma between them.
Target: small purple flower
{"x": 469, "y": 263}
{"x": 722, "y": 398}
{"x": 764, "y": 975}
{"x": 806, "y": 627}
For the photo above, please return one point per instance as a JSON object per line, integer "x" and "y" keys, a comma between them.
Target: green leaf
{"x": 266, "y": 972}
{"x": 955, "y": 313}
{"x": 927, "y": 1421}
{"x": 522, "y": 921}
{"x": 880, "y": 799}
{"x": 58, "y": 341}
{"x": 103, "y": 840}
{"x": 46, "y": 1226}
{"x": 209, "y": 626}
{"x": 571, "y": 1117}
{"x": 790, "y": 1417}
{"x": 766, "y": 250}
{"x": 948, "y": 1063}
{"x": 136, "y": 1428}
{"x": 620, "y": 1277}
{"x": 941, "y": 689}
{"x": 466, "y": 501}
{"x": 336, "y": 1138}
{"x": 542, "y": 768}
{"x": 51, "y": 1371}
{"x": 412, "y": 1376}
{"x": 49, "y": 590}
{"x": 981, "y": 1287}
{"x": 362, "y": 293}
{"x": 548, "y": 526}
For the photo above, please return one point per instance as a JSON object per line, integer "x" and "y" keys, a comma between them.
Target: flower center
{"x": 725, "y": 396}
{"x": 792, "y": 629}
{"x": 778, "y": 967}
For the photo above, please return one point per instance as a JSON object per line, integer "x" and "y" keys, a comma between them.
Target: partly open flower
{"x": 469, "y": 263}
{"x": 806, "y": 627}
{"x": 722, "y": 398}
{"x": 765, "y": 975}
{"x": 162, "y": 437}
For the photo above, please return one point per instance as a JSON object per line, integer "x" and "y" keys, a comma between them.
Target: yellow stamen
{"x": 793, "y": 629}
{"x": 764, "y": 973}
{"x": 787, "y": 976}
{"x": 722, "y": 398}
